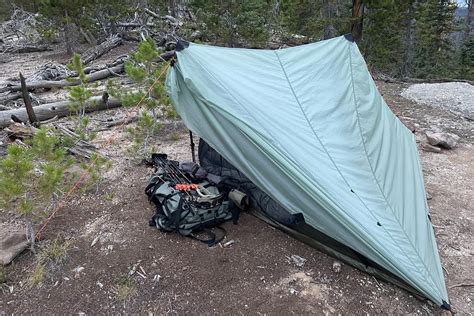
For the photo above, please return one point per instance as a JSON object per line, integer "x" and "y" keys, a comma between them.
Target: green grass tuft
{"x": 126, "y": 288}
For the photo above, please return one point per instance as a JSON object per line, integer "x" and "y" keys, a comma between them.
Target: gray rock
{"x": 429, "y": 148}
{"x": 297, "y": 260}
{"x": 12, "y": 242}
{"x": 445, "y": 140}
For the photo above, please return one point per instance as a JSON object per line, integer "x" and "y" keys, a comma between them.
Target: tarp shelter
{"x": 309, "y": 128}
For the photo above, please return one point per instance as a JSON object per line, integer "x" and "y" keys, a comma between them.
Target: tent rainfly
{"x": 309, "y": 128}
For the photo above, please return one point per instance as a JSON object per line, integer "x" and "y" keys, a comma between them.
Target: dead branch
{"x": 97, "y": 51}
{"x": 27, "y": 101}
{"x": 81, "y": 147}
{"x": 124, "y": 121}
{"x": 60, "y": 109}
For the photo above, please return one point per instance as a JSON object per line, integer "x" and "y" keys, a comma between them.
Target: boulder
{"x": 444, "y": 140}
{"x": 13, "y": 241}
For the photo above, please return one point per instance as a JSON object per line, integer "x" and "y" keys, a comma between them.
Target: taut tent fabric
{"x": 308, "y": 127}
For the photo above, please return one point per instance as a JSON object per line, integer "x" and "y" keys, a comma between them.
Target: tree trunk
{"x": 409, "y": 41}
{"x": 357, "y": 20}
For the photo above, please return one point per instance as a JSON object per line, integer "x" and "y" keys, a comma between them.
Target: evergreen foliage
{"x": 404, "y": 38}
{"x": 467, "y": 60}
{"x": 434, "y": 55}
{"x": 147, "y": 70}
{"x": 234, "y": 23}
{"x": 79, "y": 95}
{"x": 31, "y": 175}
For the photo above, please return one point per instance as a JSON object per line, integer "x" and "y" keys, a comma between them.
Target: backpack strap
{"x": 212, "y": 240}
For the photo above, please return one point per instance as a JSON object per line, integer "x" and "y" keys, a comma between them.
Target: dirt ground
{"x": 110, "y": 237}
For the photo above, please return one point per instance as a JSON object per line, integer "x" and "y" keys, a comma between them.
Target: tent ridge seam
{"x": 337, "y": 168}
{"x": 376, "y": 180}
{"x": 319, "y": 140}
{"x": 308, "y": 121}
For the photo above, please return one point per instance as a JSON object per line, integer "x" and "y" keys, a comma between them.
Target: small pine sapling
{"x": 32, "y": 176}
{"x": 146, "y": 70}
{"x": 79, "y": 95}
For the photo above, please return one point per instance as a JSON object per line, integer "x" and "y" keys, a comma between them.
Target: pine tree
{"x": 67, "y": 16}
{"x": 385, "y": 35}
{"x": 467, "y": 59}
{"x": 321, "y": 19}
{"x": 434, "y": 55}
{"x": 234, "y": 23}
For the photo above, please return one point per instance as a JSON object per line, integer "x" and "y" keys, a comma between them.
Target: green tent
{"x": 308, "y": 127}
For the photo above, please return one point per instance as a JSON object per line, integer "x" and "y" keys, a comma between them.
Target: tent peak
{"x": 349, "y": 37}
{"x": 181, "y": 45}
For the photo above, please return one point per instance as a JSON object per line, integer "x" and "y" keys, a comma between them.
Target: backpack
{"x": 187, "y": 202}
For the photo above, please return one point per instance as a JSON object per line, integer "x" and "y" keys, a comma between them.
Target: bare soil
{"x": 253, "y": 275}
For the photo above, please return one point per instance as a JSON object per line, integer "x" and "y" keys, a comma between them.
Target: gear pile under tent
{"x": 306, "y": 129}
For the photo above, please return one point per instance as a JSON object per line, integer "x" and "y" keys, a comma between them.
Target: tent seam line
{"x": 327, "y": 152}
{"x": 319, "y": 140}
{"x": 375, "y": 178}
{"x": 308, "y": 121}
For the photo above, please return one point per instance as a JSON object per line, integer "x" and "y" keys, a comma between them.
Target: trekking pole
{"x": 181, "y": 173}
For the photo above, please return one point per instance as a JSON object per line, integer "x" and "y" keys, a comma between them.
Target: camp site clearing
{"x": 116, "y": 263}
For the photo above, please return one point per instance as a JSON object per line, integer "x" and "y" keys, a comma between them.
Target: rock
{"x": 428, "y": 196}
{"x": 297, "y": 260}
{"x": 445, "y": 140}
{"x": 428, "y": 147}
{"x": 336, "y": 266}
{"x": 13, "y": 240}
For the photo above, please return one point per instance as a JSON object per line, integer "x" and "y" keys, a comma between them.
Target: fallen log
{"x": 4, "y": 99}
{"x": 98, "y": 75}
{"x": 60, "y": 109}
{"x": 99, "y": 50}
{"x": 20, "y": 131}
{"x": 25, "y": 49}
{"x": 49, "y": 84}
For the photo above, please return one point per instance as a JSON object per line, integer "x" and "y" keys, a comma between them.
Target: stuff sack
{"x": 187, "y": 204}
